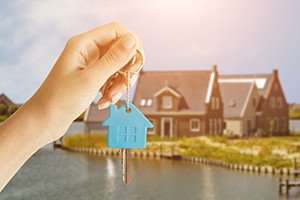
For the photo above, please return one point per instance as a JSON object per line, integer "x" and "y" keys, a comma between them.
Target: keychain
{"x": 127, "y": 128}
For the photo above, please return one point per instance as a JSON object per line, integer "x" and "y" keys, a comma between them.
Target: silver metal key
{"x": 125, "y": 161}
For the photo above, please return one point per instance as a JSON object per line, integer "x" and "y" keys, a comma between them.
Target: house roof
{"x": 235, "y": 98}
{"x": 192, "y": 85}
{"x": 263, "y": 81}
{"x": 119, "y": 116}
{"x": 4, "y": 99}
{"x": 93, "y": 114}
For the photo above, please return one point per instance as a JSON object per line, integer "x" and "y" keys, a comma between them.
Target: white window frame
{"x": 277, "y": 125}
{"x": 153, "y": 129}
{"x": 143, "y": 102}
{"x": 149, "y": 102}
{"x": 191, "y": 125}
{"x": 211, "y": 125}
{"x": 220, "y": 121}
{"x": 169, "y": 100}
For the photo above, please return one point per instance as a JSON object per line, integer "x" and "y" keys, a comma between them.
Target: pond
{"x": 57, "y": 174}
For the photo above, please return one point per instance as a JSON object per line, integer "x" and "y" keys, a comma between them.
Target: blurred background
{"x": 240, "y": 37}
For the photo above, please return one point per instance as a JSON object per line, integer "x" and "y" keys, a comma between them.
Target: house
{"x": 126, "y": 129}
{"x": 93, "y": 119}
{"x": 181, "y": 103}
{"x": 5, "y": 100}
{"x": 240, "y": 105}
{"x": 272, "y": 108}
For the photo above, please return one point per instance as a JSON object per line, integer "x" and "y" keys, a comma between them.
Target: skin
{"x": 85, "y": 64}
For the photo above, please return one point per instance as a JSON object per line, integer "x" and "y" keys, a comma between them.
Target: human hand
{"x": 85, "y": 64}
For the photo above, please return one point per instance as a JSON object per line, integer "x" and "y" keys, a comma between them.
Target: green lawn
{"x": 273, "y": 151}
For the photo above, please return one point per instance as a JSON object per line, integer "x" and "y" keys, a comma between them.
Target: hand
{"x": 85, "y": 64}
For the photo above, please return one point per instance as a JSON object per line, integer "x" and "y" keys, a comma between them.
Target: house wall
{"x": 269, "y": 115}
{"x": 94, "y": 127}
{"x": 249, "y": 114}
{"x": 214, "y": 116}
{"x": 180, "y": 126}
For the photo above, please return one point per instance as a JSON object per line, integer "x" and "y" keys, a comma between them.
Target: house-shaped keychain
{"x": 126, "y": 130}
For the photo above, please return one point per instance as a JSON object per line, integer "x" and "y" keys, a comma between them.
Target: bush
{"x": 3, "y": 118}
{"x": 93, "y": 140}
{"x": 3, "y": 109}
{"x": 12, "y": 108}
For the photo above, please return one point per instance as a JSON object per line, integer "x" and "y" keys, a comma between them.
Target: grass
{"x": 219, "y": 147}
{"x": 93, "y": 140}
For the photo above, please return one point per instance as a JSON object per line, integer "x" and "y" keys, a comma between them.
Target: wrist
{"x": 30, "y": 122}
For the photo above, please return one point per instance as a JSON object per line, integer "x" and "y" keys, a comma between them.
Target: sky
{"x": 241, "y": 37}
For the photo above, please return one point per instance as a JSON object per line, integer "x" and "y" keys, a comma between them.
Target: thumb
{"x": 116, "y": 57}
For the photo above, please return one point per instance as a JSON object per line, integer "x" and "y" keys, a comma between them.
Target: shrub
{"x": 13, "y": 108}
{"x": 3, "y": 109}
{"x": 3, "y": 118}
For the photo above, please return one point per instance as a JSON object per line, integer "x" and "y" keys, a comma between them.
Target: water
{"x": 57, "y": 174}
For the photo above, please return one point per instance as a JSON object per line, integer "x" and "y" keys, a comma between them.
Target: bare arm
{"x": 85, "y": 64}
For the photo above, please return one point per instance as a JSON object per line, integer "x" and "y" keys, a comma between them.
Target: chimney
{"x": 214, "y": 68}
{"x": 275, "y": 72}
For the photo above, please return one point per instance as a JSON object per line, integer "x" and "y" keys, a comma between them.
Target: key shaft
{"x": 126, "y": 165}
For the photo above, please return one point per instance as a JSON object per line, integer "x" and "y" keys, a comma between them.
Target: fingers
{"x": 117, "y": 89}
{"x": 115, "y": 58}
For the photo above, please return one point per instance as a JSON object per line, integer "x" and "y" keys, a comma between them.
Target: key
{"x": 125, "y": 162}
{"x": 126, "y": 126}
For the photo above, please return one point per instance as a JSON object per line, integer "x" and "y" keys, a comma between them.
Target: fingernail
{"x": 103, "y": 105}
{"x": 129, "y": 41}
{"x": 117, "y": 96}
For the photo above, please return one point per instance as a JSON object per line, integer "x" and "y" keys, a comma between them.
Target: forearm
{"x": 20, "y": 137}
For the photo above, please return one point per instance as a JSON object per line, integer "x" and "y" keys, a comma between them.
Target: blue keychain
{"x": 127, "y": 129}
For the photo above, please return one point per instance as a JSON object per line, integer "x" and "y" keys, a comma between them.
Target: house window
{"x": 210, "y": 126}
{"x": 283, "y": 124}
{"x": 276, "y": 124}
{"x": 213, "y": 103}
{"x": 167, "y": 102}
{"x": 217, "y": 103}
{"x": 220, "y": 126}
{"x": 149, "y": 102}
{"x": 215, "y": 126}
{"x": 194, "y": 125}
{"x": 151, "y": 131}
{"x": 272, "y": 103}
{"x": 143, "y": 102}
{"x": 279, "y": 102}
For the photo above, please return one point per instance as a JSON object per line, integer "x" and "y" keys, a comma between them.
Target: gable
{"x": 262, "y": 81}
{"x": 235, "y": 98}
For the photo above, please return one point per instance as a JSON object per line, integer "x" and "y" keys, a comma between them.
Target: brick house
{"x": 272, "y": 109}
{"x": 181, "y": 103}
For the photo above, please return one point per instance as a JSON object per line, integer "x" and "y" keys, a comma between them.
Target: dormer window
{"x": 143, "y": 102}
{"x": 167, "y": 102}
{"x": 149, "y": 102}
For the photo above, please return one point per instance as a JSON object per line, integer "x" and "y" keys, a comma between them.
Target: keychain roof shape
{"x": 126, "y": 129}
